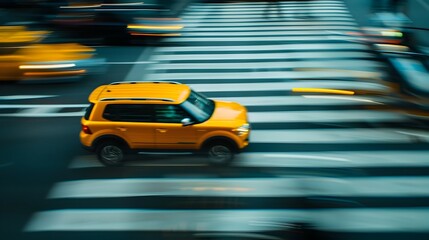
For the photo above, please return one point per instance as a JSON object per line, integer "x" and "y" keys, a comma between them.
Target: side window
{"x": 88, "y": 111}
{"x": 170, "y": 113}
{"x": 128, "y": 113}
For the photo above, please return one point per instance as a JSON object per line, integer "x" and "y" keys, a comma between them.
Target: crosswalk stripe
{"x": 252, "y": 23}
{"x": 321, "y": 13}
{"x": 272, "y": 21}
{"x": 311, "y": 8}
{"x": 323, "y": 116}
{"x": 295, "y": 75}
{"x": 352, "y": 220}
{"x": 319, "y": 38}
{"x": 254, "y": 33}
{"x": 25, "y": 97}
{"x": 286, "y": 29}
{"x": 314, "y": 100}
{"x": 357, "y": 159}
{"x": 239, "y": 5}
{"x": 345, "y": 64}
{"x": 243, "y": 187}
{"x": 332, "y": 136}
{"x": 276, "y": 47}
{"x": 264, "y": 56}
{"x": 288, "y": 86}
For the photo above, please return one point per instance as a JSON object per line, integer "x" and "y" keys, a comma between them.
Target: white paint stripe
{"x": 342, "y": 98}
{"x": 310, "y": 46}
{"x": 332, "y": 65}
{"x": 320, "y": 17}
{"x": 262, "y": 39}
{"x": 243, "y": 187}
{"x": 24, "y": 97}
{"x": 2, "y": 106}
{"x": 248, "y": 23}
{"x": 271, "y": 28}
{"x": 288, "y": 86}
{"x": 256, "y": 33}
{"x": 369, "y": 116}
{"x": 248, "y": 10}
{"x": 337, "y": 136}
{"x": 43, "y": 114}
{"x": 359, "y": 159}
{"x": 296, "y": 75}
{"x": 261, "y": 56}
{"x": 236, "y": 5}
{"x": 262, "y": 16}
{"x": 414, "y": 134}
{"x": 305, "y": 100}
{"x": 351, "y": 220}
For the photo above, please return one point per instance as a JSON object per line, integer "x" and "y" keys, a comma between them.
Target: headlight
{"x": 243, "y": 129}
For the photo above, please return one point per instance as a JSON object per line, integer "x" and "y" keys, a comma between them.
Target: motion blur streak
{"x": 55, "y": 73}
{"x": 323, "y": 90}
{"x": 47, "y": 66}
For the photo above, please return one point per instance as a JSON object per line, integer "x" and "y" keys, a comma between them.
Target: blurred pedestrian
{"x": 273, "y": 6}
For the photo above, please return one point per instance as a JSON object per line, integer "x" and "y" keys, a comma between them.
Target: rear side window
{"x": 88, "y": 111}
{"x": 128, "y": 113}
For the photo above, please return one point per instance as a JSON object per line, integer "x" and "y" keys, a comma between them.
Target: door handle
{"x": 162, "y": 130}
{"x": 122, "y": 129}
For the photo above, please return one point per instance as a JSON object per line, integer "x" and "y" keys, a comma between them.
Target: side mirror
{"x": 186, "y": 121}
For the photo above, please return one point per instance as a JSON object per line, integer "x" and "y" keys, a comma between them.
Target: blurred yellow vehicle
{"x": 161, "y": 116}
{"x": 24, "y": 57}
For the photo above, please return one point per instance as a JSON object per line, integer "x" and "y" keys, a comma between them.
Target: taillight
{"x": 86, "y": 129}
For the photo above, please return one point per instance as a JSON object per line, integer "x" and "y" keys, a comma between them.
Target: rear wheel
{"x": 111, "y": 153}
{"x": 220, "y": 153}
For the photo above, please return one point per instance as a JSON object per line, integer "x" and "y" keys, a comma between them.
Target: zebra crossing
{"x": 348, "y": 164}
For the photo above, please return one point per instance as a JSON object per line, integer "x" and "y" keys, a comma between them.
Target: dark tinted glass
{"x": 128, "y": 113}
{"x": 170, "y": 113}
{"x": 88, "y": 111}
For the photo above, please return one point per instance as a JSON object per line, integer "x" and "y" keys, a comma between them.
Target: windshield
{"x": 198, "y": 106}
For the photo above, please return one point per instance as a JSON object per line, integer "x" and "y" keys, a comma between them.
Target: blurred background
{"x": 338, "y": 99}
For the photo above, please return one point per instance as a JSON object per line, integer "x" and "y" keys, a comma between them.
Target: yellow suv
{"x": 126, "y": 117}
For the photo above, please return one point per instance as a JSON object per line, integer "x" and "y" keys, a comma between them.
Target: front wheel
{"x": 111, "y": 154}
{"x": 220, "y": 154}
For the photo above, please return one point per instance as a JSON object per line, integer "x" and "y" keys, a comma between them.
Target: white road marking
{"x": 263, "y": 29}
{"x": 310, "y": 46}
{"x": 365, "y": 220}
{"x": 335, "y": 136}
{"x": 25, "y": 97}
{"x": 329, "y": 159}
{"x": 311, "y": 100}
{"x": 288, "y": 86}
{"x": 243, "y": 187}
{"x": 259, "y": 38}
{"x": 265, "y": 56}
{"x": 250, "y": 23}
{"x": 283, "y": 75}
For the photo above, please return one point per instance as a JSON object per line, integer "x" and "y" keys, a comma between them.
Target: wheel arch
{"x": 215, "y": 139}
{"x": 109, "y": 137}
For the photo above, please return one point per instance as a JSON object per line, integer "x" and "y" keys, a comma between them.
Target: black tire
{"x": 220, "y": 153}
{"x": 111, "y": 153}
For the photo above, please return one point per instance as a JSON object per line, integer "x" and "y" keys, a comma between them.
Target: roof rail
{"x": 134, "y": 82}
{"x": 138, "y": 99}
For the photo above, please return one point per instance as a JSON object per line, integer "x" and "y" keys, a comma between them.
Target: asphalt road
{"x": 362, "y": 160}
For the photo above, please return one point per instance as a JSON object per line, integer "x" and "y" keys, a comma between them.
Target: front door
{"x": 169, "y": 132}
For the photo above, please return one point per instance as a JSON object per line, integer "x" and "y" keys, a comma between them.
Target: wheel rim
{"x": 219, "y": 154}
{"x": 112, "y": 154}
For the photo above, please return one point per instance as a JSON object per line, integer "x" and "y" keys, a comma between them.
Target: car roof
{"x": 150, "y": 91}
